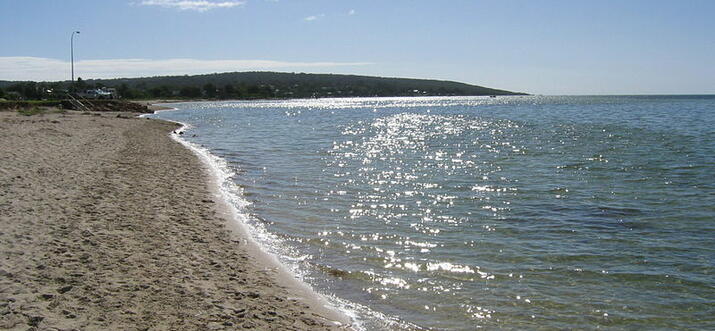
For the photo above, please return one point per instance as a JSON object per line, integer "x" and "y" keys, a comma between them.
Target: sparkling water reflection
{"x": 465, "y": 212}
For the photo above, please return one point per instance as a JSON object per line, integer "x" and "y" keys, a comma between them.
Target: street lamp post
{"x": 72, "y": 53}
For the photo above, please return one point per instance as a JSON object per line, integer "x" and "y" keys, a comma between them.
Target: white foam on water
{"x": 268, "y": 242}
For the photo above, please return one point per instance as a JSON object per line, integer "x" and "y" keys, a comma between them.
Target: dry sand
{"x": 108, "y": 224}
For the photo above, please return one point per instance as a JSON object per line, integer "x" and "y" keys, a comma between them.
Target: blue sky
{"x": 541, "y": 47}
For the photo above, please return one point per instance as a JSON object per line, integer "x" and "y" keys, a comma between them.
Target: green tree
{"x": 266, "y": 91}
{"x": 80, "y": 84}
{"x": 190, "y": 92}
{"x": 228, "y": 92}
{"x": 156, "y": 92}
{"x": 210, "y": 90}
{"x": 124, "y": 91}
{"x": 2, "y": 93}
{"x": 253, "y": 90}
{"x": 26, "y": 90}
{"x": 160, "y": 92}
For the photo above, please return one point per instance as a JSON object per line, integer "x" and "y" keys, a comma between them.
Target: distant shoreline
{"x": 259, "y": 85}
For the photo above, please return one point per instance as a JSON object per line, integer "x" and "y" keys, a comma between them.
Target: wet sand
{"x": 106, "y": 223}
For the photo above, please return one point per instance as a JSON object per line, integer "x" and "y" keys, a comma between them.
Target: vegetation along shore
{"x": 251, "y": 85}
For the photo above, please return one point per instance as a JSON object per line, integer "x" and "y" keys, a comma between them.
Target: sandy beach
{"x": 109, "y": 224}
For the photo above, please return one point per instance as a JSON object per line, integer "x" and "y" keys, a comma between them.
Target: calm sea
{"x": 464, "y": 212}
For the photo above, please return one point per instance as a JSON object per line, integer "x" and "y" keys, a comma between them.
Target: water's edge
{"x": 227, "y": 206}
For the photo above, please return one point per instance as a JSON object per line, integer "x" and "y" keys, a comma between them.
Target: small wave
{"x": 609, "y": 211}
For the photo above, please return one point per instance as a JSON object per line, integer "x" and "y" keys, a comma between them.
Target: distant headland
{"x": 252, "y": 85}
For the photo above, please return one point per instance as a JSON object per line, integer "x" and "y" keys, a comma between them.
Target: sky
{"x": 539, "y": 47}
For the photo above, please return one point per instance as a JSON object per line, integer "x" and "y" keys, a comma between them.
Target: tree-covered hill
{"x": 252, "y": 85}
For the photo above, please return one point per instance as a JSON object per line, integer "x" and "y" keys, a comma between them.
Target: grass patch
{"x": 11, "y": 105}
{"x": 31, "y": 111}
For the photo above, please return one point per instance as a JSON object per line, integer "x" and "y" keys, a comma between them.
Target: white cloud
{"x": 45, "y": 69}
{"x": 351, "y": 12}
{"x": 197, "y": 5}
{"x": 314, "y": 17}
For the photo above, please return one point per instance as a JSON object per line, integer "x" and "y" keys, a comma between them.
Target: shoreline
{"x": 109, "y": 223}
{"x": 240, "y": 230}
{"x": 353, "y": 316}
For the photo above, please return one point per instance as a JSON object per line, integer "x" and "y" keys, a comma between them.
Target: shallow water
{"x": 464, "y": 212}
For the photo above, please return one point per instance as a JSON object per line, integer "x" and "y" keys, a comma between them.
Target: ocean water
{"x": 459, "y": 213}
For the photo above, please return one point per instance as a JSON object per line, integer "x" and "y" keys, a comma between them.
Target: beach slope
{"x": 106, "y": 223}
